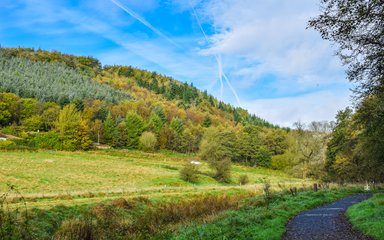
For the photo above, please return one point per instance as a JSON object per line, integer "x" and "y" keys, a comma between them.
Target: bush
{"x": 6, "y": 144}
{"x": 263, "y": 157}
{"x": 243, "y": 179}
{"x": 49, "y": 140}
{"x": 148, "y": 142}
{"x": 189, "y": 173}
{"x": 222, "y": 170}
{"x": 170, "y": 213}
{"x": 75, "y": 229}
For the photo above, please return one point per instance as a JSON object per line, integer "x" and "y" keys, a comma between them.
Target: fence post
{"x": 315, "y": 187}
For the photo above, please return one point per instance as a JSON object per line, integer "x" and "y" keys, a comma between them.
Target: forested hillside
{"x": 58, "y": 101}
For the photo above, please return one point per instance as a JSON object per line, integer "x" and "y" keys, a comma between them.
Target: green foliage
{"x": 217, "y": 145}
{"x": 159, "y": 111}
{"x": 254, "y": 221}
{"x": 111, "y": 133}
{"x": 33, "y": 123}
{"x": 357, "y": 29}
{"x": 177, "y": 126}
{"x": 67, "y": 126}
{"x": 189, "y": 173}
{"x": 148, "y": 142}
{"x": 7, "y": 107}
{"x": 135, "y": 126}
{"x": 263, "y": 157}
{"x": 207, "y": 121}
{"x": 243, "y": 179}
{"x": 48, "y": 140}
{"x": 51, "y": 82}
{"x": 155, "y": 123}
{"x": 222, "y": 170}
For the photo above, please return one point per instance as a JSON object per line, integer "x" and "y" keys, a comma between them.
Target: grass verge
{"x": 368, "y": 216}
{"x": 256, "y": 220}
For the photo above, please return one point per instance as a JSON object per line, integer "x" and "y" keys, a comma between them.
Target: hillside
{"x": 66, "y": 102}
{"x": 137, "y": 82}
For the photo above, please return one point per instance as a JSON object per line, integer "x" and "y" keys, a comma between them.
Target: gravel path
{"x": 326, "y": 222}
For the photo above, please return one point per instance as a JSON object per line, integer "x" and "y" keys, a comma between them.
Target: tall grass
{"x": 13, "y": 223}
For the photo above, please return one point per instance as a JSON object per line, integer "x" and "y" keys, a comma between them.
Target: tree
{"x": 177, "y": 125}
{"x": 357, "y": 26}
{"x": 8, "y": 108}
{"x": 207, "y": 121}
{"x": 155, "y": 123}
{"x": 147, "y": 142}
{"x": 82, "y": 139}
{"x": 189, "y": 173}
{"x": 311, "y": 148}
{"x": 340, "y": 140}
{"x": 218, "y": 149}
{"x": 135, "y": 126}
{"x": 67, "y": 125}
{"x": 110, "y": 130}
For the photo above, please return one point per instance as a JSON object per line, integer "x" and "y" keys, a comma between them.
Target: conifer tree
{"x": 135, "y": 126}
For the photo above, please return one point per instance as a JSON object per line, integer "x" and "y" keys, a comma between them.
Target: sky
{"x": 255, "y": 54}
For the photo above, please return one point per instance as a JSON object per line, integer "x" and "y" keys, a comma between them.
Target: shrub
{"x": 6, "y": 144}
{"x": 163, "y": 214}
{"x": 75, "y": 229}
{"x": 49, "y": 140}
{"x": 222, "y": 170}
{"x": 190, "y": 173}
{"x": 148, "y": 142}
{"x": 122, "y": 203}
{"x": 243, "y": 179}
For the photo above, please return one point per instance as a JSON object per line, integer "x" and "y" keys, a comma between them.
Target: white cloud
{"x": 272, "y": 33}
{"x": 305, "y": 108}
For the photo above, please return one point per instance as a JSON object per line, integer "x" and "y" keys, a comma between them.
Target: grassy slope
{"x": 51, "y": 174}
{"x": 368, "y": 216}
{"x": 258, "y": 222}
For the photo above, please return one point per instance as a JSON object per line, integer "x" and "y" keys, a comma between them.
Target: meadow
{"x": 57, "y": 186}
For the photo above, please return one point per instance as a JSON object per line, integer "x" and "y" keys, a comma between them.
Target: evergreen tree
{"x": 135, "y": 126}
{"x": 177, "y": 125}
{"x": 110, "y": 130}
{"x": 207, "y": 121}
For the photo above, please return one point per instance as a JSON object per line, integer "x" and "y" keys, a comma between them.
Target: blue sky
{"x": 254, "y": 53}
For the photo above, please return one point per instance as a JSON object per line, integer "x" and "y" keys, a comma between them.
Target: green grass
{"x": 49, "y": 173}
{"x": 368, "y": 216}
{"x": 65, "y": 186}
{"x": 255, "y": 221}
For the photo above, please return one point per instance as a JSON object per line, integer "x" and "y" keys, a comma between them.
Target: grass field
{"x": 368, "y": 216}
{"x": 47, "y": 174}
{"x": 62, "y": 187}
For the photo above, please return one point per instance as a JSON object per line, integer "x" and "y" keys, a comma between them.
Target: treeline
{"x": 133, "y": 125}
{"x": 356, "y": 147}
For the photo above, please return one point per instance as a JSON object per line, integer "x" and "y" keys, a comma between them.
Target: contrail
{"x": 143, "y": 21}
{"x": 219, "y": 64}
{"x": 232, "y": 89}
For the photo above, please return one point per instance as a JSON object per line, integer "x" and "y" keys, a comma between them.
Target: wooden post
{"x": 315, "y": 187}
